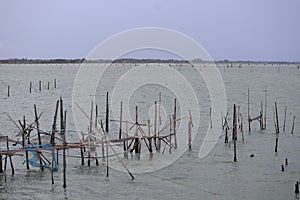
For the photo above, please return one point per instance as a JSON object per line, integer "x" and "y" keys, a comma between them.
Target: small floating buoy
{"x": 286, "y": 161}
{"x": 252, "y": 155}
{"x": 282, "y": 168}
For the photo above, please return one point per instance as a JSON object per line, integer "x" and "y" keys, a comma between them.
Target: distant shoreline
{"x": 132, "y": 61}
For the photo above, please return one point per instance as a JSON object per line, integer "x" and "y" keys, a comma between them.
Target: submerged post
{"x": 8, "y": 87}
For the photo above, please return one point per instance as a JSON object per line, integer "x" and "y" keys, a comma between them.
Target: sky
{"x": 257, "y": 30}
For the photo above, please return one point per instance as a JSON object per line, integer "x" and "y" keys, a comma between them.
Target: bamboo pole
{"x": 210, "y": 117}
{"x": 276, "y": 143}
{"x": 55, "y": 83}
{"x": 190, "y": 135}
{"x": 89, "y": 134}
{"x": 48, "y": 87}
{"x": 149, "y": 139}
{"x": 120, "y": 125}
{"x": 155, "y": 125}
{"x": 39, "y": 134}
{"x": 283, "y": 129}
{"x": 265, "y": 124}
{"x": 170, "y": 138}
{"x": 53, "y": 140}
{"x": 40, "y": 85}
{"x": 64, "y": 151}
{"x": 261, "y": 116}
{"x": 293, "y": 125}
{"x": 234, "y": 132}
{"x": 249, "y": 122}
{"x": 1, "y": 167}
{"x": 277, "y": 122}
{"x": 174, "y": 123}
{"x": 10, "y": 158}
{"x": 159, "y": 105}
{"x": 107, "y": 115}
{"x": 30, "y": 87}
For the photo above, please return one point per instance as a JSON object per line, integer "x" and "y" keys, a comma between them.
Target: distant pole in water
{"x": 293, "y": 125}
{"x": 40, "y": 85}
{"x": 8, "y": 90}
{"x": 55, "y": 83}
{"x": 190, "y": 134}
{"x": 30, "y": 87}
{"x": 283, "y": 129}
{"x": 297, "y": 187}
{"x": 265, "y": 121}
{"x": 48, "y": 85}
{"x": 210, "y": 117}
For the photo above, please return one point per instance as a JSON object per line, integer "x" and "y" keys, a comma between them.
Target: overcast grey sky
{"x": 227, "y": 29}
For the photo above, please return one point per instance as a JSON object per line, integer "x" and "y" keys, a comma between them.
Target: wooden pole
{"x": 64, "y": 151}
{"x": 277, "y": 122}
{"x": 8, "y": 87}
{"x": 226, "y": 135}
{"x": 53, "y": 140}
{"x": 242, "y": 127}
{"x": 55, "y": 83}
{"x": 40, "y": 85}
{"x": 249, "y": 122}
{"x": 170, "y": 138}
{"x": 293, "y": 125}
{"x": 149, "y": 139}
{"x": 265, "y": 121}
{"x": 30, "y": 87}
{"x": 48, "y": 87}
{"x": 1, "y": 167}
{"x": 283, "y": 129}
{"x": 156, "y": 143}
{"x": 38, "y": 132}
{"x": 24, "y": 134}
{"x": 159, "y": 104}
{"x": 210, "y": 117}
{"x": 174, "y": 124}
{"x": 120, "y": 126}
{"x": 107, "y": 115}
{"x": 297, "y": 187}
{"x": 234, "y": 132}
{"x": 261, "y": 116}
{"x": 136, "y": 140}
{"x": 276, "y": 143}
{"x": 190, "y": 134}
{"x": 10, "y": 158}
{"x": 89, "y": 134}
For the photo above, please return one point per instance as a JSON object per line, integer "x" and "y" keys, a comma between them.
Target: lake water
{"x": 214, "y": 177}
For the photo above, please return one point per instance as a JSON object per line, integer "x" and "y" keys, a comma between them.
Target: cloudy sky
{"x": 227, "y": 29}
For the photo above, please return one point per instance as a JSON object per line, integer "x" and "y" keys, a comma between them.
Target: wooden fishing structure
{"x": 96, "y": 137}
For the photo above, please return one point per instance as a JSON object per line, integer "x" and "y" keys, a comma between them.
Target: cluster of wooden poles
{"x": 39, "y": 86}
{"x": 58, "y": 142}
